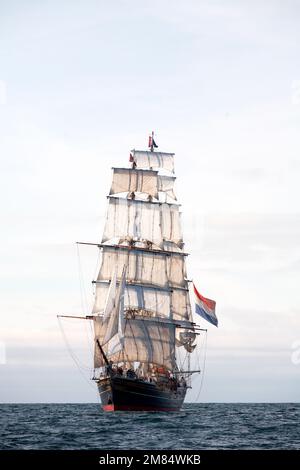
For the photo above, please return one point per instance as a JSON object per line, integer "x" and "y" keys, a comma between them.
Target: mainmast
{"x": 143, "y": 235}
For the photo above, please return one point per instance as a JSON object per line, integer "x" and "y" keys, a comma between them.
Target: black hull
{"x": 125, "y": 394}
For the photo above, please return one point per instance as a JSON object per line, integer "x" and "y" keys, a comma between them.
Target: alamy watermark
{"x": 295, "y": 356}
{"x": 2, "y": 353}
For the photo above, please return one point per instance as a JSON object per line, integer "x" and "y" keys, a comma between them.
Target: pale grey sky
{"x": 81, "y": 83}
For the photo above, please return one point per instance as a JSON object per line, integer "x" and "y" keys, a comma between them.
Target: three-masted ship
{"x": 142, "y": 312}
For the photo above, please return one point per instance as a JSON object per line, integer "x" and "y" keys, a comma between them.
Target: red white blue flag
{"x": 205, "y": 308}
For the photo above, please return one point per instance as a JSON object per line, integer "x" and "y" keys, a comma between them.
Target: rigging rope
{"x": 84, "y": 304}
{"x": 203, "y": 370}
{"x": 83, "y": 295}
{"x": 80, "y": 366}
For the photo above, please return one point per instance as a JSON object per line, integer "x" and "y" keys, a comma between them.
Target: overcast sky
{"x": 81, "y": 83}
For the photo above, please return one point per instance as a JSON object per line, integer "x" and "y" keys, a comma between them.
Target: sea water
{"x": 197, "y": 426}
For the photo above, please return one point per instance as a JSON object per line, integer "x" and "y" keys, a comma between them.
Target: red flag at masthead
{"x": 151, "y": 142}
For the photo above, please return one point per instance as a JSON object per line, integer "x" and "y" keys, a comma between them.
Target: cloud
{"x": 215, "y": 82}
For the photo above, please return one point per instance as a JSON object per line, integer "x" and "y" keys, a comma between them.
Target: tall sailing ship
{"x": 142, "y": 313}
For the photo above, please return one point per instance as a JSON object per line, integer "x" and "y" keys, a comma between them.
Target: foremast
{"x": 142, "y": 290}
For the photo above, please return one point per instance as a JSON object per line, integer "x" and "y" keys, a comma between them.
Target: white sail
{"x": 152, "y": 300}
{"x": 99, "y": 332}
{"x": 174, "y": 303}
{"x": 113, "y": 339}
{"x": 112, "y": 323}
{"x": 180, "y": 305}
{"x": 111, "y": 296}
{"x": 121, "y": 325}
{"x": 137, "y": 297}
{"x": 157, "y": 269}
{"x": 132, "y": 219}
{"x": 142, "y": 220}
{"x": 166, "y": 185}
{"x": 116, "y": 343}
{"x": 142, "y": 266}
{"x": 152, "y": 160}
{"x": 115, "y": 324}
{"x": 131, "y": 181}
{"x": 176, "y": 270}
{"x": 149, "y": 341}
{"x": 171, "y": 223}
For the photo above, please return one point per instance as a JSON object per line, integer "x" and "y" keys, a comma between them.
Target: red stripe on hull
{"x": 135, "y": 408}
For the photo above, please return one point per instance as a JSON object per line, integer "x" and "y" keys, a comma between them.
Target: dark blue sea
{"x": 197, "y": 426}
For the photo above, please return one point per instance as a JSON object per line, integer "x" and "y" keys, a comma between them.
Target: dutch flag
{"x": 205, "y": 308}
